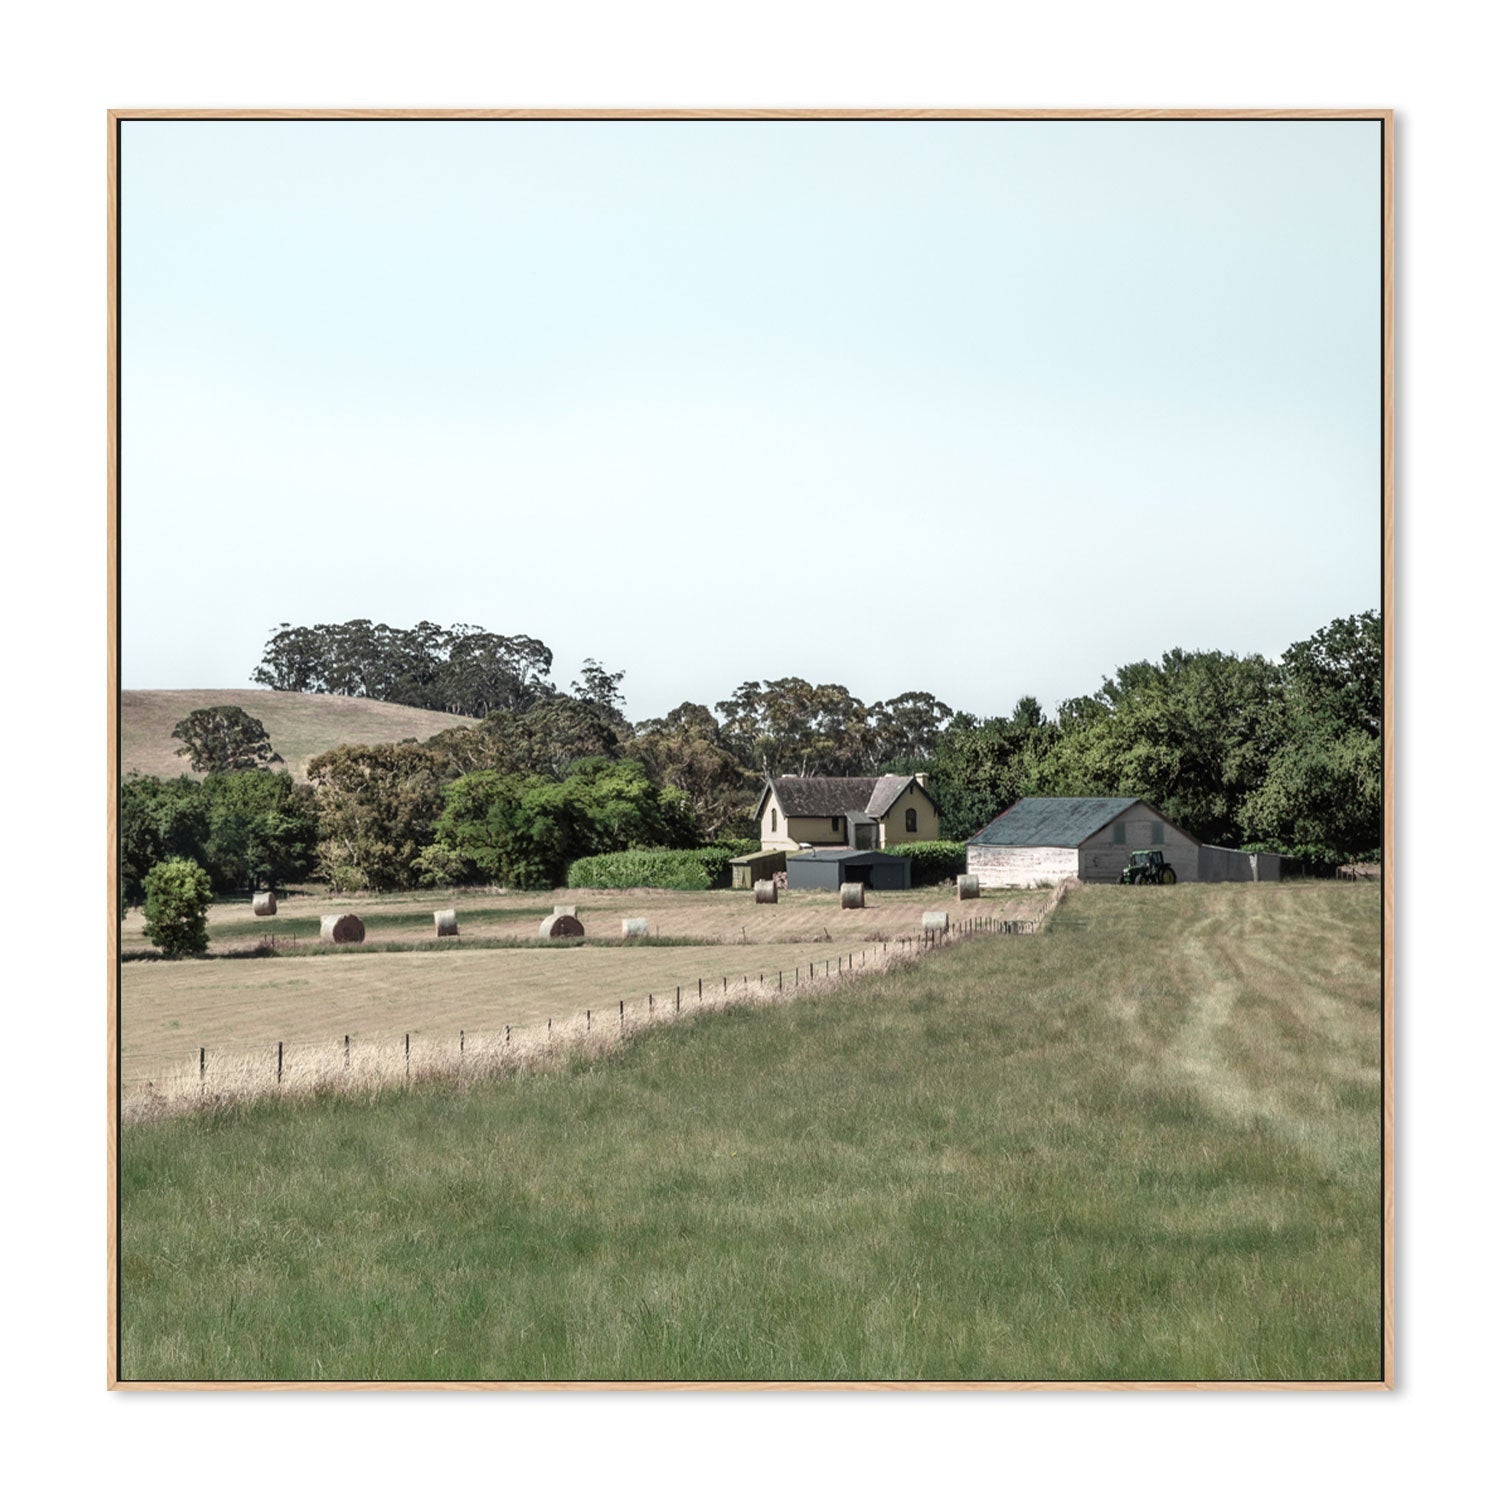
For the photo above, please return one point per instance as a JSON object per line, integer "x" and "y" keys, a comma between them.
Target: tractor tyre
{"x": 1168, "y": 875}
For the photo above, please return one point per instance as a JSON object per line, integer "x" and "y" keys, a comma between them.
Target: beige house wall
{"x": 790, "y": 833}
{"x": 893, "y": 824}
{"x": 779, "y": 837}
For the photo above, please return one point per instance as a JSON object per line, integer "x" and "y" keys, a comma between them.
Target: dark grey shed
{"x": 828, "y": 869}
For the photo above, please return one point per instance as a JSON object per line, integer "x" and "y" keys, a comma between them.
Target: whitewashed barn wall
{"x": 1101, "y": 858}
{"x": 1020, "y": 865}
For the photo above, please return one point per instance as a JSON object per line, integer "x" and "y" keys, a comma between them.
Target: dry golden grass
{"x": 300, "y": 725}
{"x": 247, "y": 1006}
{"x": 384, "y": 1059}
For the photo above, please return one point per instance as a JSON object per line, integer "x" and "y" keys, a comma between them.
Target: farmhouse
{"x": 1050, "y": 838}
{"x": 860, "y": 812}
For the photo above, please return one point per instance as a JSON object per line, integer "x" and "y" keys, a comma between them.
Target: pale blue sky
{"x": 702, "y": 399}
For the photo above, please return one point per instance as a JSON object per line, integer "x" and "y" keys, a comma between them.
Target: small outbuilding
{"x": 828, "y": 869}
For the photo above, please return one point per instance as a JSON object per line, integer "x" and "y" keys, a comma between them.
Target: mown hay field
{"x": 314, "y": 996}
{"x": 1145, "y": 1145}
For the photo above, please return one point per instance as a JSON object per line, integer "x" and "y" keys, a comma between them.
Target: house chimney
{"x": 921, "y": 779}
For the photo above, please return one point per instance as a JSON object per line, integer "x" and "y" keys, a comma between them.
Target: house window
{"x": 911, "y": 820}
{"x": 773, "y": 820}
{"x": 1158, "y": 834}
{"x": 835, "y": 825}
{"x": 1119, "y": 833}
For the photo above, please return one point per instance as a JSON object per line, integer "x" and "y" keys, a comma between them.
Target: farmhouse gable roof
{"x": 835, "y": 796}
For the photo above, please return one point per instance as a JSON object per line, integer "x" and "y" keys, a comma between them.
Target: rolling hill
{"x": 301, "y": 725}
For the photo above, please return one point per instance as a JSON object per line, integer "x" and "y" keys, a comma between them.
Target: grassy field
{"x": 300, "y": 725}
{"x": 1142, "y": 1146}
{"x": 170, "y": 1010}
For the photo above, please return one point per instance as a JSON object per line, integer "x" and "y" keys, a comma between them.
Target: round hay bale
{"x": 561, "y": 925}
{"x": 564, "y": 911}
{"x": 343, "y": 929}
{"x": 446, "y": 923}
{"x": 634, "y": 927}
{"x": 765, "y": 892}
{"x": 968, "y": 887}
{"x": 851, "y": 895}
{"x": 263, "y": 904}
{"x": 934, "y": 921}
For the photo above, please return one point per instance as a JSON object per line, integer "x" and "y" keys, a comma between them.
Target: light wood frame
{"x": 1386, "y": 119}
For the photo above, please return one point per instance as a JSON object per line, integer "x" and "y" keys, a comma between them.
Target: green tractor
{"x": 1148, "y": 867}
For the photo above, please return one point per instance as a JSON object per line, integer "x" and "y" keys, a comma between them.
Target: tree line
{"x": 1245, "y": 751}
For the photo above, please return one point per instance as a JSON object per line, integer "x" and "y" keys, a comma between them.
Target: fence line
{"x": 310, "y": 1067}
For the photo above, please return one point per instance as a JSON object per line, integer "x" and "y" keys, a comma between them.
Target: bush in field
{"x": 178, "y": 894}
{"x": 666, "y": 869}
{"x": 932, "y": 860}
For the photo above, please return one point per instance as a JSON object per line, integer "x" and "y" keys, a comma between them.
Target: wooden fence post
{"x": 408, "y": 1054}
{"x": 279, "y": 1046}
{"x": 346, "y": 1051}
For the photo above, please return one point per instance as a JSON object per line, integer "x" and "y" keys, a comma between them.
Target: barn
{"x": 828, "y": 869}
{"x": 1050, "y": 838}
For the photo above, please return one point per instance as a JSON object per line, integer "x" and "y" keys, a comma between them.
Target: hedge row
{"x": 669, "y": 869}
{"x": 933, "y": 860}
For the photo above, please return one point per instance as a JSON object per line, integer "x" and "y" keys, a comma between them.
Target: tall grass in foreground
{"x": 1144, "y": 1146}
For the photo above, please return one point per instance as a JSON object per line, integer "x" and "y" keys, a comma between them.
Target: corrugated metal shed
{"x": 1053, "y": 822}
{"x": 827, "y": 869}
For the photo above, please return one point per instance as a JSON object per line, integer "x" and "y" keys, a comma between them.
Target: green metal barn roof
{"x": 1058, "y": 822}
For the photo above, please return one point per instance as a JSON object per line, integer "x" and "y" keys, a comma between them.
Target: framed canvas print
{"x": 751, "y": 749}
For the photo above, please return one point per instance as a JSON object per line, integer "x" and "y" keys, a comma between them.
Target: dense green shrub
{"x": 247, "y": 829}
{"x": 667, "y": 869}
{"x": 737, "y": 847}
{"x": 524, "y": 831}
{"x": 159, "y": 819}
{"x": 178, "y": 894}
{"x": 932, "y": 860}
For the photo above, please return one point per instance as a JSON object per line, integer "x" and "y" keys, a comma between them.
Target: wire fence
{"x": 219, "y": 1076}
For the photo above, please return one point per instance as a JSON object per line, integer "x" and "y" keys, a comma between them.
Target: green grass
{"x": 1144, "y": 1146}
